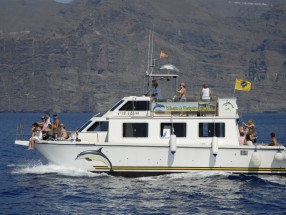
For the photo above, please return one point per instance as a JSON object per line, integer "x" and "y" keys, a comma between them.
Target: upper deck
{"x": 143, "y": 106}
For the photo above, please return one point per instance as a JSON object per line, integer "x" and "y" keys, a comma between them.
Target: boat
{"x": 143, "y": 136}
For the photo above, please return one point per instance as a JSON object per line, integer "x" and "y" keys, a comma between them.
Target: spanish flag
{"x": 242, "y": 85}
{"x": 163, "y": 55}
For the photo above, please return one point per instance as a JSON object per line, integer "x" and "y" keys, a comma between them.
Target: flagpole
{"x": 149, "y": 47}
{"x": 234, "y": 89}
{"x": 151, "y": 57}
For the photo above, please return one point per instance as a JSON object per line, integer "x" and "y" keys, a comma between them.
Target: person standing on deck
{"x": 205, "y": 92}
{"x": 274, "y": 141}
{"x": 182, "y": 92}
{"x": 156, "y": 93}
{"x": 251, "y": 131}
{"x": 56, "y": 125}
{"x": 242, "y": 138}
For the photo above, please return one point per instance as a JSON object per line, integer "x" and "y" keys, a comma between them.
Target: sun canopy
{"x": 170, "y": 67}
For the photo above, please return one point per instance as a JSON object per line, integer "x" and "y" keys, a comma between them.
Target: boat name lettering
{"x": 243, "y": 152}
{"x": 128, "y": 113}
{"x": 181, "y": 108}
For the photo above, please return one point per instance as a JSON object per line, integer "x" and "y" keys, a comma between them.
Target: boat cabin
{"x": 142, "y": 120}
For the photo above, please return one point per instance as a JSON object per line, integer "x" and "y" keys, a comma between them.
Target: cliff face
{"x": 86, "y": 55}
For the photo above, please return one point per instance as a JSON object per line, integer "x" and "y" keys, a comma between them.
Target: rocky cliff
{"x": 86, "y": 55}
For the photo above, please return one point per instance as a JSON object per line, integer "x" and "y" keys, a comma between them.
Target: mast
{"x": 149, "y": 76}
{"x": 150, "y": 64}
{"x": 152, "y": 49}
{"x": 149, "y": 44}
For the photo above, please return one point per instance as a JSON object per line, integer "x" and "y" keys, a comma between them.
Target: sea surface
{"x": 28, "y": 185}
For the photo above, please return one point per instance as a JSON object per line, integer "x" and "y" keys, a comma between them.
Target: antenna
{"x": 150, "y": 52}
{"x": 149, "y": 44}
{"x": 150, "y": 61}
{"x": 152, "y": 45}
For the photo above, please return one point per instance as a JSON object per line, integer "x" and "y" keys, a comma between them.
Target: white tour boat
{"x": 142, "y": 136}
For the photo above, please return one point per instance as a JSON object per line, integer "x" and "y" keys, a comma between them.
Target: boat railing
{"x": 187, "y": 99}
{"x": 194, "y": 105}
{"x": 21, "y": 134}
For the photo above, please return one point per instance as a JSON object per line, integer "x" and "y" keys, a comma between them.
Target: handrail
{"x": 190, "y": 104}
{"x": 188, "y": 99}
{"x": 21, "y": 135}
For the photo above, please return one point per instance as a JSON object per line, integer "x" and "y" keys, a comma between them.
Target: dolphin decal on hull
{"x": 95, "y": 155}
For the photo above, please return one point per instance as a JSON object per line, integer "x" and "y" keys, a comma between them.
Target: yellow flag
{"x": 164, "y": 54}
{"x": 242, "y": 85}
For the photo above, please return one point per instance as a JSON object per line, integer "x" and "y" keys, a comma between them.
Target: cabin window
{"x": 135, "y": 129}
{"x": 210, "y": 129}
{"x": 180, "y": 129}
{"x": 135, "y": 106}
{"x": 116, "y": 105}
{"x": 99, "y": 126}
{"x": 85, "y": 125}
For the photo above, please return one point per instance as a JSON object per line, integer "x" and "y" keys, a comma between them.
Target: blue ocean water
{"x": 28, "y": 185}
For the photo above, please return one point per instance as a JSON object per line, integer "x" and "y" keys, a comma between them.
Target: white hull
{"x": 118, "y": 158}
{"x": 159, "y": 138}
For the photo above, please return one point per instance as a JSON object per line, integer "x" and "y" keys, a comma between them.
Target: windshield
{"x": 117, "y": 104}
{"x": 85, "y": 125}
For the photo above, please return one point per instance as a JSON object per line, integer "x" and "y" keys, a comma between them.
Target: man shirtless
{"x": 274, "y": 141}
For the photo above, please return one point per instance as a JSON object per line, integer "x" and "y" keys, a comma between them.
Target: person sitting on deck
{"x": 64, "y": 134}
{"x": 249, "y": 139}
{"x": 49, "y": 133}
{"x": 205, "y": 92}
{"x": 36, "y": 136}
{"x": 274, "y": 141}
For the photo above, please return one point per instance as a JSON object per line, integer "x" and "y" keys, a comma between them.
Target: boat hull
{"x": 120, "y": 159}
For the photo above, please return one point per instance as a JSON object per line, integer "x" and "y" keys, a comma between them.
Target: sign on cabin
{"x": 183, "y": 106}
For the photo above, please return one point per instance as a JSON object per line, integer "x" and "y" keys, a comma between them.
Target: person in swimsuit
{"x": 182, "y": 92}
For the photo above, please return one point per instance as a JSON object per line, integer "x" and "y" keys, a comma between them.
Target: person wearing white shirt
{"x": 37, "y": 135}
{"x": 206, "y": 92}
